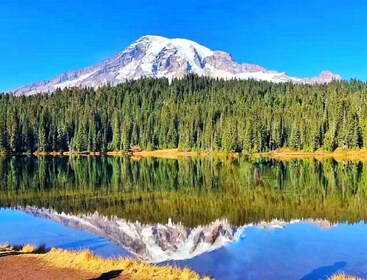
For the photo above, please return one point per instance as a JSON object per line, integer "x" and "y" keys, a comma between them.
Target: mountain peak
{"x": 152, "y": 38}
{"x": 329, "y": 75}
{"x": 157, "y": 56}
{"x": 324, "y": 78}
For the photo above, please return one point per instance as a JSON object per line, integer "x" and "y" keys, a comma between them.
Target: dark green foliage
{"x": 195, "y": 192}
{"x": 193, "y": 113}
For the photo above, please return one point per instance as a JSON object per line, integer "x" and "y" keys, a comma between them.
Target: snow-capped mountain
{"x": 155, "y": 56}
{"x": 159, "y": 243}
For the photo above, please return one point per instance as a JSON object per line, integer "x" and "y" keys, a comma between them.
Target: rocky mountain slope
{"x": 155, "y": 56}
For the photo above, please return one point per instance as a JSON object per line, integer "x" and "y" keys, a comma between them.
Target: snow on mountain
{"x": 156, "y": 56}
{"x": 160, "y": 243}
{"x": 324, "y": 78}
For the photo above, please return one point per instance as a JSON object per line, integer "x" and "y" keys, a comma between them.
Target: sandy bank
{"x": 31, "y": 263}
{"x": 338, "y": 155}
{"x": 281, "y": 154}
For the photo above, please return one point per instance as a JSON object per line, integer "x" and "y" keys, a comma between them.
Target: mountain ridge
{"x": 157, "y": 57}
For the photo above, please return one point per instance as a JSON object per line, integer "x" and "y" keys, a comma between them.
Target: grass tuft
{"x": 342, "y": 276}
{"x": 28, "y": 249}
{"x": 24, "y": 249}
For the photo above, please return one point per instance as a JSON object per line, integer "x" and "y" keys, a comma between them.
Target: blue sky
{"x": 43, "y": 38}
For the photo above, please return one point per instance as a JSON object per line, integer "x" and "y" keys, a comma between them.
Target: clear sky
{"x": 43, "y": 38}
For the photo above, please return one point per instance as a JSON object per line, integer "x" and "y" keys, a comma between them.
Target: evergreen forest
{"x": 193, "y": 113}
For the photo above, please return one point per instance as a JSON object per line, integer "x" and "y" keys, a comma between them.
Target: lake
{"x": 227, "y": 218}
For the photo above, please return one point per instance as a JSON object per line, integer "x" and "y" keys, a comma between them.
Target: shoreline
{"x": 338, "y": 154}
{"x": 163, "y": 153}
{"x": 30, "y": 262}
{"x": 281, "y": 154}
{"x": 176, "y": 154}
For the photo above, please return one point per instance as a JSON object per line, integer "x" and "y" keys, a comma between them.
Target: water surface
{"x": 211, "y": 200}
{"x": 299, "y": 251}
{"x": 20, "y": 228}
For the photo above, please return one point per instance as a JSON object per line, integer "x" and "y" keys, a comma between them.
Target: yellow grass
{"x": 176, "y": 153}
{"x": 117, "y": 153}
{"x": 28, "y": 249}
{"x": 40, "y": 154}
{"x": 86, "y": 261}
{"x": 23, "y": 249}
{"x": 284, "y": 154}
{"x": 338, "y": 154}
{"x": 342, "y": 276}
{"x": 280, "y": 154}
{"x": 83, "y": 153}
{"x": 165, "y": 153}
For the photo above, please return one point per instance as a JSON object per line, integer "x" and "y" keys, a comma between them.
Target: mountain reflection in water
{"x": 160, "y": 242}
{"x": 257, "y": 218}
{"x": 309, "y": 249}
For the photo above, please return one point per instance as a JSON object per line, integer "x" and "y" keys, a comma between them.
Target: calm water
{"x": 295, "y": 252}
{"x": 56, "y": 200}
{"x": 19, "y": 228}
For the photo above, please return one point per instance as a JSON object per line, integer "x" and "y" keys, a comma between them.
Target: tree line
{"x": 193, "y": 113}
{"x": 194, "y": 192}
